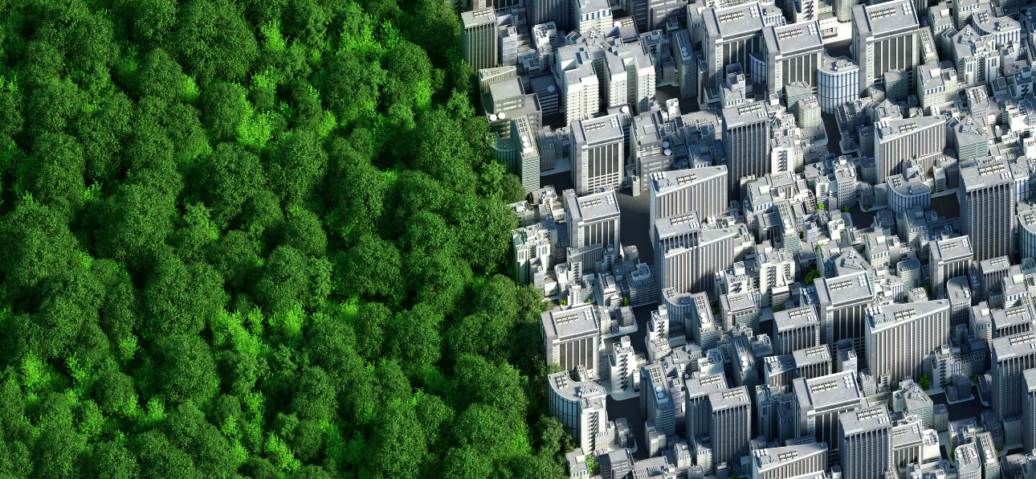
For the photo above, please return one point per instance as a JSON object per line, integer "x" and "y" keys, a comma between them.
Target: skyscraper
{"x": 652, "y": 14}
{"x": 688, "y": 255}
{"x": 865, "y": 437}
{"x": 571, "y": 338}
{"x": 746, "y": 138}
{"x": 948, "y": 259}
{"x": 885, "y": 37}
{"x": 732, "y": 33}
{"x": 580, "y": 406}
{"x": 1029, "y": 410}
{"x": 901, "y": 336}
{"x": 843, "y": 303}
{"x": 478, "y": 38}
{"x": 596, "y": 153}
{"x": 793, "y": 54}
{"x": 1012, "y": 355}
{"x": 918, "y": 139}
{"x": 987, "y": 197}
{"x": 789, "y": 461}
{"x": 592, "y": 219}
{"x": 591, "y": 15}
{"x": 702, "y": 190}
{"x": 696, "y": 401}
{"x": 543, "y": 11}
{"x": 819, "y": 402}
{"x": 796, "y": 328}
{"x": 730, "y": 424}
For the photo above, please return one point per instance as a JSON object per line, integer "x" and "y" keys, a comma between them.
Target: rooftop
{"x": 571, "y": 322}
{"x": 592, "y": 206}
{"x": 797, "y": 37}
{"x": 885, "y": 18}
{"x": 888, "y": 316}
{"x": 864, "y": 420}
{"x": 795, "y": 318}
{"x": 729, "y": 398}
{"x": 831, "y": 390}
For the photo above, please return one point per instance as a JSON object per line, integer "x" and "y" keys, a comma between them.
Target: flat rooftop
{"x": 885, "y": 18}
{"x": 747, "y": 114}
{"x": 571, "y": 322}
{"x": 1021, "y": 344}
{"x": 863, "y": 420}
{"x": 733, "y": 21}
{"x": 794, "y": 38}
{"x": 592, "y": 206}
{"x": 892, "y": 315}
{"x": 845, "y": 289}
{"x": 730, "y": 398}
{"x": 669, "y": 181}
{"x": 810, "y": 356}
{"x": 833, "y": 389}
{"x": 794, "y": 318}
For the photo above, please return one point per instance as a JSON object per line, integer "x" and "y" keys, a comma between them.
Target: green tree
{"x": 187, "y": 370}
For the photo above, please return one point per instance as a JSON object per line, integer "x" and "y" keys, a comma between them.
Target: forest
{"x": 258, "y": 238}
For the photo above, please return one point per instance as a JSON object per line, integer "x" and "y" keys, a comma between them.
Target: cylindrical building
{"x": 838, "y": 82}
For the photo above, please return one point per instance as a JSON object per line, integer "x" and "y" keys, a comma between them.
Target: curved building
{"x": 580, "y": 406}
{"x": 838, "y": 82}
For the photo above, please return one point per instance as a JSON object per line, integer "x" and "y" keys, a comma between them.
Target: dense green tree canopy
{"x": 257, "y": 238}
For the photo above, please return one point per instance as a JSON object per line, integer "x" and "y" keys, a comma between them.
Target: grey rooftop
{"x": 864, "y": 420}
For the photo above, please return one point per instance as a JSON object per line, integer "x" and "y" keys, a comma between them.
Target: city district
{"x": 781, "y": 238}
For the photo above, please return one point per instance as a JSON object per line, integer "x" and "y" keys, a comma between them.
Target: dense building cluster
{"x": 824, "y": 262}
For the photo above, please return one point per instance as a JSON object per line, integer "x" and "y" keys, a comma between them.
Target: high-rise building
{"x": 948, "y": 259}
{"x": 653, "y": 14}
{"x": 1029, "y": 410}
{"x": 543, "y": 11}
{"x": 775, "y": 412}
{"x": 838, "y": 82}
{"x": 597, "y": 154}
{"x": 885, "y": 36}
{"x": 1012, "y": 355}
{"x": 819, "y": 402}
{"x": 630, "y": 77}
{"x": 865, "y": 449}
{"x": 696, "y": 404}
{"x": 789, "y": 461}
{"x": 701, "y": 325}
{"x": 843, "y": 303}
{"x": 987, "y": 197}
{"x": 591, "y": 15}
{"x": 657, "y": 403}
{"x": 592, "y": 219}
{"x": 958, "y": 291}
{"x": 580, "y": 405}
{"x": 688, "y": 255}
{"x": 796, "y": 328}
{"x": 793, "y": 54}
{"x": 478, "y": 38}
{"x": 968, "y": 461}
{"x": 746, "y": 138}
{"x": 900, "y": 337}
{"x": 918, "y": 139}
{"x": 976, "y": 56}
{"x": 702, "y": 190}
{"x": 812, "y": 362}
{"x": 686, "y": 62}
{"x": 578, "y": 79}
{"x": 936, "y": 84}
{"x": 572, "y": 337}
{"x": 527, "y": 157}
{"x": 732, "y": 34}
{"x": 730, "y": 424}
